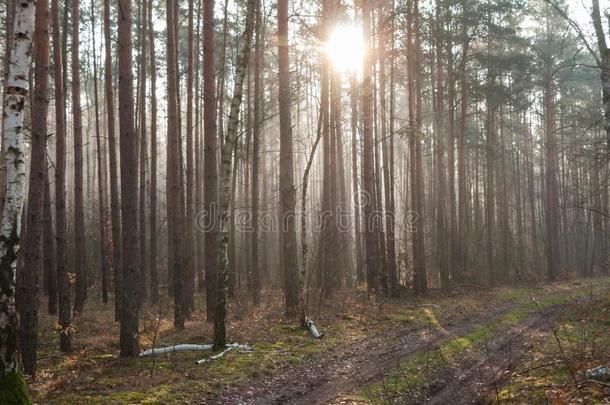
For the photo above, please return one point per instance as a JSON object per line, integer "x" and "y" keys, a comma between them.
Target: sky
{"x": 580, "y": 11}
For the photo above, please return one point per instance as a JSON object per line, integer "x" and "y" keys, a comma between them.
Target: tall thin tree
{"x": 129, "y": 187}
{"x": 32, "y": 250}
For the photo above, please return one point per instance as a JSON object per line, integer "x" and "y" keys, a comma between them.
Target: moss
{"x": 13, "y": 390}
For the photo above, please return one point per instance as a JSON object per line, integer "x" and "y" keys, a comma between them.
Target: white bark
{"x": 214, "y": 357}
{"x": 17, "y": 89}
{"x": 315, "y": 333}
{"x": 188, "y": 347}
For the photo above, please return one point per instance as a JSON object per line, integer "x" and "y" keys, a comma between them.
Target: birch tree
{"x": 224, "y": 195}
{"x": 16, "y": 95}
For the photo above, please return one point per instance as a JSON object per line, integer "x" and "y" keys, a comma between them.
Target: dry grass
{"x": 93, "y": 372}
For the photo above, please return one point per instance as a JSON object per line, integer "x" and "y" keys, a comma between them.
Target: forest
{"x": 293, "y": 201}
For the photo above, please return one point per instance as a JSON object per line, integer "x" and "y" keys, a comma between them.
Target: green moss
{"x": 13, "y": 390}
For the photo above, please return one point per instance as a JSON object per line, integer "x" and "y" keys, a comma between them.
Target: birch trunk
{"x": 16, "y": 95}
{"x": 222, "y": 237}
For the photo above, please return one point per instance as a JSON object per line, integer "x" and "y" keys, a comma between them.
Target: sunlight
{"x": 345, "y": 48}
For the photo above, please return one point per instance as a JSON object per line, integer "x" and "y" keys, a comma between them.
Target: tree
{"x": 80, "y": 293}
{"x": 189, "y": 264}
{"x": 256, "y": 143}
{"x": 63, "y": 285}
{"x": 115, "y": 209}
{"x": 49, "y": 250}
{"x": 101, "y": 171}
{"x": 16, "y": 95}
{"x": 287, "y": 191}
{"x": 603, "y": 62}
{"x": 173, "y": 182}
{"x": 129, "y": 188}
{"x": 368, "y": 175}
{"x": 154, "y": 278}
{"x": 224, "y": 197}
{"x": 143, "y": 36}
{"x": 32, "y": 264}
{"x": 415, "y": 153}
{"x": 210, "y": 145}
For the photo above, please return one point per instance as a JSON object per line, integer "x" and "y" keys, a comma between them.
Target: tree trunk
{"x": 551, "y": 183}
{"x": 416, "y": 222}
{"x": 49, "y": 253}
{"x": 210, "y": 171}
{"x": 360, "y": 277}
{"x": 101, "y": 171}
{"x": 80, "y": 291}
{"x": 368, "y": 174}
{"x": 189, "y": 273}
{"x": 154, "y": 277}
{"x": 115, "y": 208}
{"x": 27, "y": 291}
{"x": 16, "y": 95}
{"x": 174, "y": 189}
{"x": 227, "y": 151}
{"x": 287, "y": 190}
{"x": 63, "y": 285}
{"x": 129, "y": 188}
{"x": 143, "y": 271}
{"x": 604, "y": 61}
{"x": 256, "y": 141}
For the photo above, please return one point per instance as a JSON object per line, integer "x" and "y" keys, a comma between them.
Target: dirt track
{"x": 330, "y": 377}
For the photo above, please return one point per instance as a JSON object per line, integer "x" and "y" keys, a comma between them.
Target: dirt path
{"x": 330, "y": 377}
{"x": 476, "y": 378}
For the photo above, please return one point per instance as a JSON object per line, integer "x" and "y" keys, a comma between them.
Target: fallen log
{"x": 187, "y": 347}
{"x": 315, "y": 333}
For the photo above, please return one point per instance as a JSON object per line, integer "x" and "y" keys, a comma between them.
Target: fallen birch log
{"x": 187, "y": 347}
{"x": 315, "y": 333}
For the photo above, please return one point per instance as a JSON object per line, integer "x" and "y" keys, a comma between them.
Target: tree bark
{"x": 80, "y": 292}
{"x": 368, "y": 174}
{"x": 63, "y": 285}
{"x": 174, "y": 189}
{"x": 287, "y": 190}
{"x": 210, "y": 170}
{"x": 129, "y": 187}
{"x": 154, "y": 277}
{"x": 256, "y": 142}
{"x": 417, "y": 206}
{"x": 189, "y": 273}
{"x": 49, "y": 252}
{"x": 143, "y": 36}
{"x": 32, "y": 261}
{"x": 101, "y": 171}
{"x": 16, "y": 95}
{"x": 115, "y": 208}
{"x": 227, "y": 151}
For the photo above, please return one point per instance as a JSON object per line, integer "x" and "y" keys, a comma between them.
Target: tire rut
{"x": 327, "y": 377}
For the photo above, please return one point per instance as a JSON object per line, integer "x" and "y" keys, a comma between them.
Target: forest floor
{"x": 521, "y": 345}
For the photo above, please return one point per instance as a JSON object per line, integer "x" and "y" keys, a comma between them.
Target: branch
{"x": 578, "y": 30}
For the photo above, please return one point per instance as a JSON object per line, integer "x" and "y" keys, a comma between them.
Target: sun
{"x": 345, "y": 48}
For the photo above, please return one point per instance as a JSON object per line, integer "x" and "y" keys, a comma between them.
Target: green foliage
{"x": 13, "y": 390}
